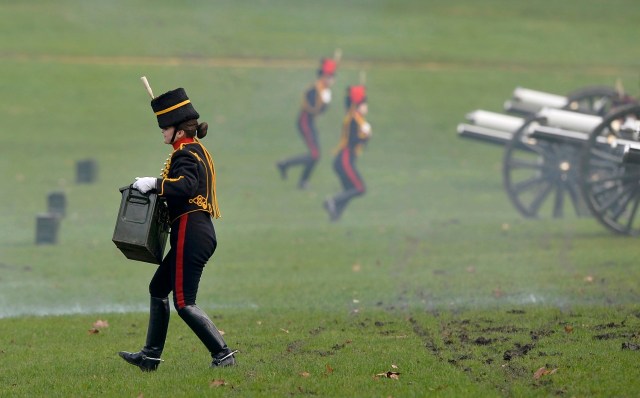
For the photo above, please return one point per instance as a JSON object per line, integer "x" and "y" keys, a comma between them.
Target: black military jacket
{"x": 312, "y": 102}
{"x": 188, "y": 181}
{"x": 356, "y": 131}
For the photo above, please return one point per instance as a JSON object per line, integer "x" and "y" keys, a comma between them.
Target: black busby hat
{"x": 173, "y": 108}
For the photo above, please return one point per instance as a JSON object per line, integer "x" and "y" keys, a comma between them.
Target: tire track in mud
{"x": 426, "y": 337}
{"x": 280, "y": 63}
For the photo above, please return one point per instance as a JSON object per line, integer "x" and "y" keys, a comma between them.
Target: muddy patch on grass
{"x": 334, "y": 349}
{"x": 630, "y": 346}
{"x": 614, "y": 330}
{"x": 487, "y": 350}
{"x": 507, "y": 349}
{"x": 483, "y": 341}
{"x": 518, "y": 350}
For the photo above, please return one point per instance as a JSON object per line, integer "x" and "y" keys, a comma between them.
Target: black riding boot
{"x": 210, "y": 336}
{"x": 344, "y": 197}
{"x": 148, "y": 358}
{"x": 336, "y": 204}
{"x": 306, "y": 160}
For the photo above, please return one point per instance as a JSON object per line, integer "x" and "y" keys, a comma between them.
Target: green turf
{"x": 431, "y": 259}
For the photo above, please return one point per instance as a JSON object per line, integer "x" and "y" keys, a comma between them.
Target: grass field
{"x": 432, "y": 274}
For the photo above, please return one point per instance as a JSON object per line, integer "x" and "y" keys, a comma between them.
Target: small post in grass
{"x": 57, "y": 203}
{"x": 86, "y": 171}
{"x": 47, "y": 225}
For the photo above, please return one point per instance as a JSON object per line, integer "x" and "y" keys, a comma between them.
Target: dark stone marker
{"x": 47, "y": 226}
{"x": 87, "y": 171}
{"x": 57, "y": 203}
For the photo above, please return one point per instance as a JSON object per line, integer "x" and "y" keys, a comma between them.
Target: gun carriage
{"x": 557, "y": 158}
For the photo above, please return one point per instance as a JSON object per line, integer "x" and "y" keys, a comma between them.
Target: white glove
{"x": 145, "y": 184}
{"x": 325, "y": 95}
{"x": 366, "y": 129}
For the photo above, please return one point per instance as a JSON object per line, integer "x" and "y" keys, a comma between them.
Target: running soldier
{"x": 314, "y": 102}
{"x": 355, "y": 134}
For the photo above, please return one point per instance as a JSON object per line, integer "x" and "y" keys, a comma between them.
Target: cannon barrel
{"x": 559, "y": 135}
{"x": 538, "y": 98}
{"x": 484, "y": 134}
{"x": 489, "y": 127}
{"x": 555, "y": 134}
{"x": 525, "y": 101}
{"x": 570, "y": 120}
{"x": 520, "y": 108}
{"x": 494, "y": 120}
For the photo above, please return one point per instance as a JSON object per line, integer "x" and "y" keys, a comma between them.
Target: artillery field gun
{"x": 556, "y": 157}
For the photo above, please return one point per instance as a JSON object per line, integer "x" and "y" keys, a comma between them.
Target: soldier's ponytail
{"x": 201, "y": 131}
{"x": 193, "y": 129}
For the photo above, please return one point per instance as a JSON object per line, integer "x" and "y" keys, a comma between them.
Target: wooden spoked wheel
{"x": 610, "y": 186}
{"x": 541, "y": 177}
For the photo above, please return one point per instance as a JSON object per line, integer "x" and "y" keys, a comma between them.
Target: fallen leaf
{"x": 217, "y": 383}
{"x": 356, "y": 267}
{"x": 284, "y": 330}
{"x": 394, "y": 366}
{"x": 329, "y": 369}
{"x": 100, "y": 324}
{"x": 588, "y": 279}
{"x": 305, "y": 374}
{"x": 389, "y": 375}
{"x": 568, "y": 329}
{"x": 221, "y": 332}
{"x": 543, "y": 372}
{"x": 93, "y": 331}
{"x": 538, "y": 373}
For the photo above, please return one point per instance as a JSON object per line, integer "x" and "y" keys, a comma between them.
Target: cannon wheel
{"x": 536, "y": 172}
{"x": 610, "y": 187}
{"x": 594, "y": 100}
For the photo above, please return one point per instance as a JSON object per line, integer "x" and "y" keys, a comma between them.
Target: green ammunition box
{"x": 142, "y": 226}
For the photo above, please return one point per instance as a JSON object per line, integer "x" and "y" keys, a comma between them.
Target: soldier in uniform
{"x": 314, "y": 102}
{"x": 355, "y": 133}
{"x": 188, "y": 184}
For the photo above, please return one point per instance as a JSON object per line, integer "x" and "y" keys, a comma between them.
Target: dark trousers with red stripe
{"x": 309, "y": 135}
{"x": 192, "y": 241}
{"x": 344, "y": 165}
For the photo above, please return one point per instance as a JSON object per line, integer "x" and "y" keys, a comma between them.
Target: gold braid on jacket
{"x": 205, "y": 199}
{"x": 346, "y": 131}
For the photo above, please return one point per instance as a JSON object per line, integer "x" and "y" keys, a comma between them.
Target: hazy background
{"x": 435, "y": 230}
